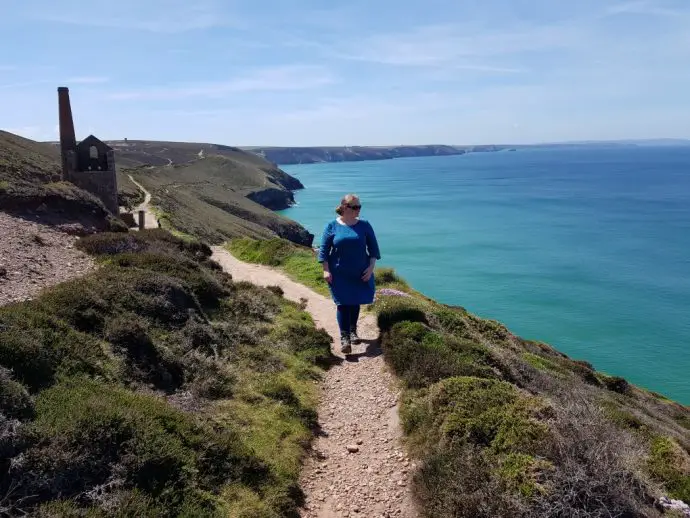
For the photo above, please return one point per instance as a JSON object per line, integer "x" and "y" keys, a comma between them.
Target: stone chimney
{"x": 68, "y": 139}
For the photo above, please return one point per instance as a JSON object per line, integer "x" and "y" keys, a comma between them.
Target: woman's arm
{"x": 325, "y": 251}
{"x": 373, "y": 251}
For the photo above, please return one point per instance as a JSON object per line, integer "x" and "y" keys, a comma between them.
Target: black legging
{"x": 347, "y": 319}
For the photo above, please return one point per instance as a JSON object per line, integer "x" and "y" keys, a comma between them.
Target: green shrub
{"x": 491, "y": 330}
{"x": 90, "y": 433}
{"x": 390, "y": 310}
{"x": 143, "y": 361}
{"x": 207, "y": 287}
{"x": 614, "y": 383}
{"x": 15, "y": 401}
{"x": 585, "y": 371}
{"x": 86, "y": 303}
{"x": 543, "y": 364}
{"x": 422, "y": 357}
{"x": 458, "y": 481}
{"x": 452, "y": 320}
{"x": 484, "y": 412}
{"x": 121, "y": 504}
{"x": 37, "y": 347}
{"x": 151, "y": 239}
{"x": 668, "y": 464}
{"x": 522, "y": 473}
{"x": 304, "y": 340}
{"x": 214, "y": 381}
{"x": 248, "y": 302}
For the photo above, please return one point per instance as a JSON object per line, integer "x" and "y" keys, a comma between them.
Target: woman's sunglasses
{"x": 355, "y": 207}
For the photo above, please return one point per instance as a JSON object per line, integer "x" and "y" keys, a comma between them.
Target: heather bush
{"x": 15, "y": 401}
{"x": 118, "y": 390}
{"x": 90, "y": 434}
{"x": 208, "y": 287}
{"x": 422, "y": 357}
{"x": 37, "y": 347}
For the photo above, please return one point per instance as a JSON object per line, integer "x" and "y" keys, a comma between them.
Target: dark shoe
{"x": 354, "y": 339}
{"x": 345, "y": 346}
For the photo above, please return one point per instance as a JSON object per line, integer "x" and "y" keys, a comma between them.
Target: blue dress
{"x": 348, "y": 250}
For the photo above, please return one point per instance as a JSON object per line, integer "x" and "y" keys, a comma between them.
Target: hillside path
{"x": 358, "y": 410}
{"x": 34, "y": 256}
{"x": 150, "y": 220}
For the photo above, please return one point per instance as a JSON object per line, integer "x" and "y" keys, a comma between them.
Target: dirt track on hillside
{"x": 358, "y": 411}
{"x": 34, "y": 256}
{"x": 150, "y": 220}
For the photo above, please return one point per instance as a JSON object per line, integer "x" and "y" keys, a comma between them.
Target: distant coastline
{"x": 317, "y": 155}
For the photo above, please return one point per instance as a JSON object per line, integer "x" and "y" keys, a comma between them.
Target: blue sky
{"x": 377, "y": 72}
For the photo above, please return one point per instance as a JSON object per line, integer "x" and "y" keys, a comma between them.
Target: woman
{"x": 348, "y": 254}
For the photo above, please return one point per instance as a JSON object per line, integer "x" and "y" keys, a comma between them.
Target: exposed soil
{"x": 357, "y": 466}
{"x": 34, "y": 256}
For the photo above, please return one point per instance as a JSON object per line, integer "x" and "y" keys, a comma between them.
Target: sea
{"x": 587, "y": 249}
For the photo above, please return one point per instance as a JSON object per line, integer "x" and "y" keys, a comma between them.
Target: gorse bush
{"x": 118, "y": 390}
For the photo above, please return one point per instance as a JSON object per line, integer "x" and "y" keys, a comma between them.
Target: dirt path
{"x": 34, "y": 256}
{"x": 150, "y": 220}
{"x": 358, "y": 411}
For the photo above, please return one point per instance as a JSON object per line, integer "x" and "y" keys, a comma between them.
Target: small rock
{"x": 352, "y": 448}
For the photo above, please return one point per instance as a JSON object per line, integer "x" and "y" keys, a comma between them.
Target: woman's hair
{"x": 347, "y": 199}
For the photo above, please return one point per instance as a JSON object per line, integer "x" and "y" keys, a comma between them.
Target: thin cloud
{"x": 461, "y": 46}
{"x": 157, "y": 16}
{"x": 646, "y": 8}
{"x": 83, "y": 80}
{"x": 270, "y": 79}
{"x": 87, "y": 80}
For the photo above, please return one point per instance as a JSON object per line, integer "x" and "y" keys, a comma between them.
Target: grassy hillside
{"x": 227, "y": 193}
{"x": 212, "y": 198}
{"x": 155, "y": 387}
{"x": 504, "y": 426}
{"x": 250, "y": 168}
{"x": 30, "y": 184}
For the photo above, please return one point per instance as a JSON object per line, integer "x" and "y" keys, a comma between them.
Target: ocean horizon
{"x": 586, "y": 249}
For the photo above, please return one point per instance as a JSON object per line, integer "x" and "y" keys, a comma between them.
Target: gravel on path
{"x": 357, "y": 465}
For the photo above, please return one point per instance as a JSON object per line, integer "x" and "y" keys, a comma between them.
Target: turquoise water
{"x": 588, "y": 250}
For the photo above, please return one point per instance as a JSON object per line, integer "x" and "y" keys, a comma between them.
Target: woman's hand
{"x": 328, "y": 276}
{"x": 367, "y": 274}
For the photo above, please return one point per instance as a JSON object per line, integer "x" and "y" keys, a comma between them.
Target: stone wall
{"x": 102, "y": 184}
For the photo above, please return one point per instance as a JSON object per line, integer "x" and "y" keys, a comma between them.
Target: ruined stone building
{"x": 90, "y": 164}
